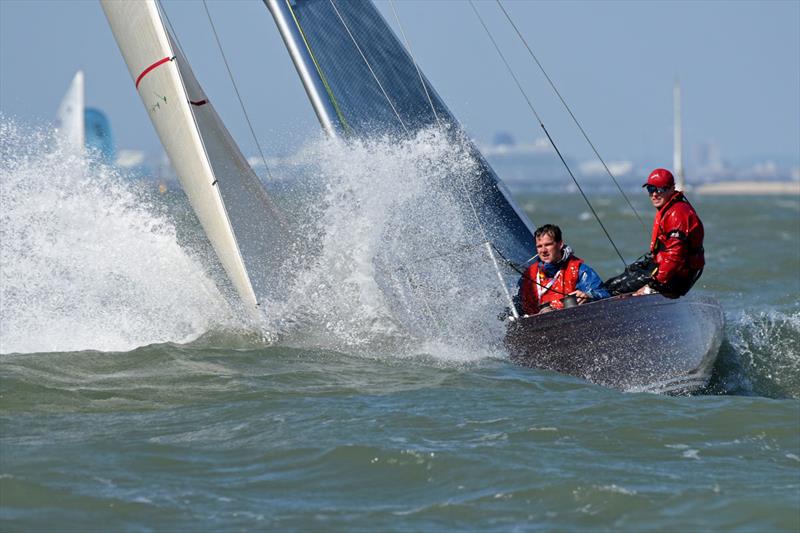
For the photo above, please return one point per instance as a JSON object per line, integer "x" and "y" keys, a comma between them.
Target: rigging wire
{"x": 236, "y": 89}
{"x": 333, "y": 4}
{"x": 571, "y": 114}
{"x": 486, "y": 241}
{"x": 547, "y": 133}
{"x": 416, "y": 65}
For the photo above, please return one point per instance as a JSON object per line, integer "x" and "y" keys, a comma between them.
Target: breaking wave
{"x": 760, "y": 355}
{"x": 90, "y": 260}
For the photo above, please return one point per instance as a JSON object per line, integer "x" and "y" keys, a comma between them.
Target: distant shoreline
{"x": 749, "y": 187}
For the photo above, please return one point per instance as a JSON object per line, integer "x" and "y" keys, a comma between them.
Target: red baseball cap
{"x": 660, "y": 177}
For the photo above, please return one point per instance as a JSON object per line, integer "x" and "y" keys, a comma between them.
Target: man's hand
{"x": 581, "y": 296}
{"x": 644, "y": 290}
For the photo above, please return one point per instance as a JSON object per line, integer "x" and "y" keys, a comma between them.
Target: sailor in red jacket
{"x": 677, "y": 240}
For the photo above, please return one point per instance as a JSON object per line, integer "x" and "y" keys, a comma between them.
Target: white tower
{"x": 677, "y": 151}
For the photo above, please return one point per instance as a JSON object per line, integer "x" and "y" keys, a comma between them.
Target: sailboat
{"x": 82, "y": 128}
{"x": 362, "y": 82}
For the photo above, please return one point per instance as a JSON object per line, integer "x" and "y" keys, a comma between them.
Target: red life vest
{"x": 545, "y": 290}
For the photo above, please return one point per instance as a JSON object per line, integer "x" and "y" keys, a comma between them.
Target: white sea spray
{"x": 399, "y": 266}
{"x": 766, "y": 346}
{"x": 86, "y": 262}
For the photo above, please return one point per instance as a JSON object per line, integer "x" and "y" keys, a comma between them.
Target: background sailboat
{"x": 82, "y": 128}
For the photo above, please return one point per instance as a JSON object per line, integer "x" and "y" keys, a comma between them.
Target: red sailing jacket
{"x": 548, "y": 290}
{"x": 677, "y": 240}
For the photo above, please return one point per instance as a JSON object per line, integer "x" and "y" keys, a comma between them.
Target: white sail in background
{"x": 70, "y": 116}
{"x": 151, "y": 59}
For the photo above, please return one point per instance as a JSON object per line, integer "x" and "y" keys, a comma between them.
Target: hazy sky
{"x": 614, "y": 62}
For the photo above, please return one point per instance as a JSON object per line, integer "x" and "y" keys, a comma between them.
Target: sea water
{"x": 134, "y": 395}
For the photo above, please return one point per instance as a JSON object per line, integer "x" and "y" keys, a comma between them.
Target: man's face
{"x": 659, "y": 196}
{"x": 549, "y": 250}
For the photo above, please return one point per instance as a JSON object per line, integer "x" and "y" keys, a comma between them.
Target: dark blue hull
{"x": 643, "y": 343}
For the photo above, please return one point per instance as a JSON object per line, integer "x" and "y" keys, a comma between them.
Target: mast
{"x": 312, "y": 78}
{"x": 677, "y": 153}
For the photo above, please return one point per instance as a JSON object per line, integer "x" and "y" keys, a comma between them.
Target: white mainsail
{"x": 70, "y": 116}
{"x": 151, "y": 59}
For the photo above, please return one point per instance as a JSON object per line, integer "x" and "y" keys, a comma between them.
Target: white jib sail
{"x": 145, "y": 45}
{"x": 70, "y": 116}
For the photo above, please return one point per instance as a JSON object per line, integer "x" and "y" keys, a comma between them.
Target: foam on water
{"x": 85, "y": 261}
{"x": 764, "y": 354}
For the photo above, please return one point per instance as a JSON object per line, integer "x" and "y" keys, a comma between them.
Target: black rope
{"x": 571, "y": 114}
{"x": 549, "y": 138}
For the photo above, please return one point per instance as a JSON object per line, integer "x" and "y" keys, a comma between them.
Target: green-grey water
{"x": 103, "y": 426}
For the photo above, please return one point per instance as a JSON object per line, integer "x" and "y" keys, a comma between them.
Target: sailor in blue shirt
{"x": 556, "y": 273}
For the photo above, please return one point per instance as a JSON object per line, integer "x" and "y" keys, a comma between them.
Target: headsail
{"x": 210, "y": 167}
